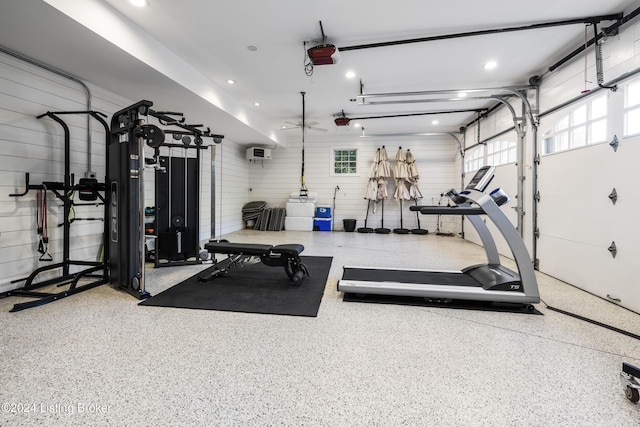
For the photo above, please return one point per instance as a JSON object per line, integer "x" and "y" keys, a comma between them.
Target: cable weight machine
{"x": 129, "y": 134}
{"x": 177, "y": 201}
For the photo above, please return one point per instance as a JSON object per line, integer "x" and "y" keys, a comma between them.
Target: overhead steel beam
{"x": 587, "y": 20}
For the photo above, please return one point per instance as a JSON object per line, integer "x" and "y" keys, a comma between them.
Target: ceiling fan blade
{"x": 311, "y": 124}
{"x": 294, "y": 124}
{"x": 317, "y": 129}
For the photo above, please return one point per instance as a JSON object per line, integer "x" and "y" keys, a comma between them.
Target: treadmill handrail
{"x": 450, "y": 210}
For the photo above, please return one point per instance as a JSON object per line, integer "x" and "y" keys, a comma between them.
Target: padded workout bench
{"x": 287, "y": 256}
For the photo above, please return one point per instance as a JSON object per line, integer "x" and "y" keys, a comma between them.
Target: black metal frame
{"x": 64, "y": 191}
{"x": 125, "y": 185}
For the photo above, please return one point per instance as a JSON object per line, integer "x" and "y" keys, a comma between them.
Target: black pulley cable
{"x": 303, "y": 188}
{"x": 41, "y": 225}
{"x": 39, "y": 220}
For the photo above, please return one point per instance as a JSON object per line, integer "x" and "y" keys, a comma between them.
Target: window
{"x": 500, "y": 152}
{"x": 585, "y": 124}
{"x": 473, "y": 159}
{"x": 345, "y": 161}
{"x": 632, "y": 109}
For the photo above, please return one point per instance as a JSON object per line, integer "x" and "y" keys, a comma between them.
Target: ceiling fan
{"x": 303, "y": 124}
{"x": 309, "y": 126}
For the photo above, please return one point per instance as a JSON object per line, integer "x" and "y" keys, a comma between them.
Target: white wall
{"x": 274, "y": 180}
{"x": 232, "y": 182}
{"x": 36, "y": 146}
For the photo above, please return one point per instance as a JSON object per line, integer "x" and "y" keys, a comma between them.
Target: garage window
{"x": 345, "y": 161}
{"x": 632, "y": 109}
{"x": 474, "y": 159}
{"x": 500, "y": 152}
{"x": 585, "y": 124}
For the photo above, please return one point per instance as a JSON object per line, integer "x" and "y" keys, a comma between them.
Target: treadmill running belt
{"x": 409, "y": 276}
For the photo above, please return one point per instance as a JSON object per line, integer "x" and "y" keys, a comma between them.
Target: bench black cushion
{"x": 253, "y": 249}
{"x": 290, "y": 249}
{"x": 237, "y": 248}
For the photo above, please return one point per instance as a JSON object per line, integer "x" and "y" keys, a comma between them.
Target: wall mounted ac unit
{"x": 258, "y": 153}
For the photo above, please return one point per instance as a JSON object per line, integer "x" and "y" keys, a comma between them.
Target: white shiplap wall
{"x": 37, "y": 146}
{"x": 232, "y": 183}
{"x": 274, "y": 180}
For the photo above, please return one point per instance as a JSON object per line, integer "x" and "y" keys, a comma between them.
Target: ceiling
{"x": 181, "y": 54}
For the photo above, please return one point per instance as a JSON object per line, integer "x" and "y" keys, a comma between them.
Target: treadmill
{"x": 489, "y": 282}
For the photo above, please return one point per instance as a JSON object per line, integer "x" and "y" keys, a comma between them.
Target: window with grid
{"x": 500, "y": 152}
{"x": 345, "y": 161}
{"x": 474, "y": 159}
{"x": 632, "y": 109}
{"x": 585, "y": 124}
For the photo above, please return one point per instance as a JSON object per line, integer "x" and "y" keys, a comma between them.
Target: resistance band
{"x": 41, "y": 225}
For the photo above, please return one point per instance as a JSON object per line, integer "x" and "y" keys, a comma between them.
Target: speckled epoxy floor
{"x": 98, "y": 358}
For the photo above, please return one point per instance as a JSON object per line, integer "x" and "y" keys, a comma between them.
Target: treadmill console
{"x": 481, "y": 179}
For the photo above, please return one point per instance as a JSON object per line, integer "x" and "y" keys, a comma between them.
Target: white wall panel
{"x": 274, "y": 180}
{"x": 232, "y": 183}
{"x": 37, "y": 146}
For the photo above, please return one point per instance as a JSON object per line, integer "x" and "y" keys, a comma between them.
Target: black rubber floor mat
{"x": 254, "y": 288}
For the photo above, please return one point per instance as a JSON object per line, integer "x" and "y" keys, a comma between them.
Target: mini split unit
{"x": 258, "y": 153}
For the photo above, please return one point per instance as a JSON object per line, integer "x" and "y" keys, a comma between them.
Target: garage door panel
{"x": 590, "y": 226}
{"x": 570, "y": 261}
{"x": 578, "y": 222}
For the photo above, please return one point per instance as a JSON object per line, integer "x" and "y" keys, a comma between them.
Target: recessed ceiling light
{"x": 435, "y": 122}
{"x": 356, "y": 125}
{"x": 139, "y": 3}
{"x": 462, "y": 94}
{"x": 231, "y": 81}
{"x": 350, "y": 74}
{"x": 257, "y": 104}
{"x": 490, "y": 65}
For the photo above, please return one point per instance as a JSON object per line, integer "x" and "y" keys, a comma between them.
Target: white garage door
{"x": 578, "y": 221}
